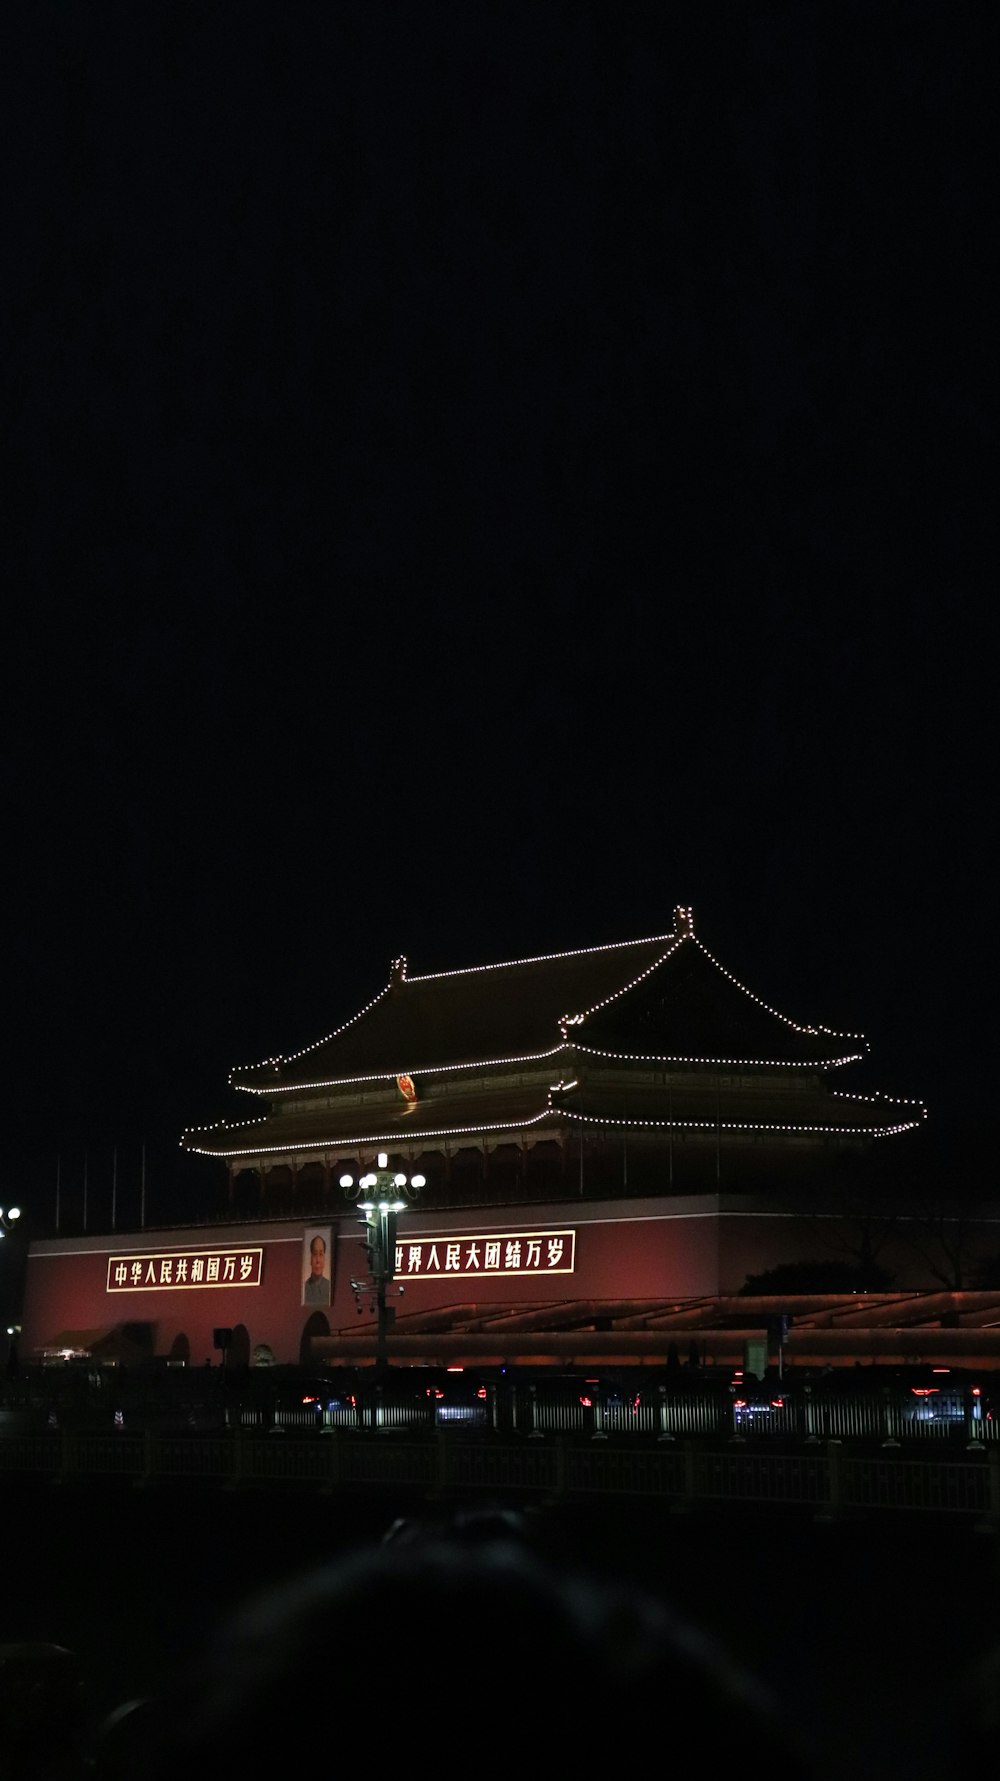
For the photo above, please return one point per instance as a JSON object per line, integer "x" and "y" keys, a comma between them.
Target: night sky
{"x": 475, "y": 477}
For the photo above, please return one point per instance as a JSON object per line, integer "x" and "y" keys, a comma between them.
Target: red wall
{"x": 630, "y": 1249}
{"x": 699, "y": 1247}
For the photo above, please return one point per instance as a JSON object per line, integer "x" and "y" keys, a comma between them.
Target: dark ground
{"x": 868, "y": 1631}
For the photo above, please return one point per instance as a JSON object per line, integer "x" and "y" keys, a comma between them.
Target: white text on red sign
{"x": 193, "y": 1268}
{"x": 519, "y": 1252}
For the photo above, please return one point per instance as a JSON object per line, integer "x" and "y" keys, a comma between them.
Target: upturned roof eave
{"x": 886, "y": 1121}
{"x": 397, "y": 1137}
{"x": 571, "y": 1009}
{"x": 392, "y": 1074}
{"x": 260, "y": 1077}
{"x": 834, "y": 1059}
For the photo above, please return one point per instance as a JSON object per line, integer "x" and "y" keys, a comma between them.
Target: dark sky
{"x": 476, "y": 477}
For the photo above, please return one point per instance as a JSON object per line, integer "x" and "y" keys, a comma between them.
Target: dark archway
{"x": 316, "y": 1325}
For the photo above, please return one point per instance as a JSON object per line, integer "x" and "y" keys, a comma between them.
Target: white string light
{"x": 682, "y": 933}
{"x": 829, "y": 1031}
{"x": 572, "y": 1020}
{"x": 544, "y": 958}
{"x": 398, "y": 975}
{"x": 735, "y": 1125}
{"x": 390, "y": 1138}
{"x": 490, "y": 1063}
{"x": 845, "y": 1094}
{"x": 742, "y": 1063}
{"x": 276, "y": 1062}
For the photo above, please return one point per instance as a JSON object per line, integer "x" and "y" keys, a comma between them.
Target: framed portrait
{"x": 317, "y": 1273}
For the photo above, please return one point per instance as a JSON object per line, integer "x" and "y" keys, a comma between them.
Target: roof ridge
{"x": 544, "y": 958}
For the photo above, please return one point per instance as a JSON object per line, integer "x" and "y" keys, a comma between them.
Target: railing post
{"x": 973, "y": 1421}
{"x": 888, "y": 1425}
{"x": 665, "y": 1433}
{"x": 834, "y": 1504}
{"x": 600, "y": 1432}
{"x": 810, "y": 1416}
{"x": 511, "y": 1412}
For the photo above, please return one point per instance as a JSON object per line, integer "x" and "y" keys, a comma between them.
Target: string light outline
{"x": 648, "y": 1057}
{"x": 490, "y": 1063}
{"x": 276, "y": 1062}
{"x": 684, "y": 923}
{"x": 397, "y": 973}
{"x": 846, "y": 1094}
{"x": 588, "y": 1119}
{"x": 684, "y": 920}
{"x": 830, "y": 1032}
{"x": 386, "y": 1138}
{"x": 574, "y": 1020}
{"x": 544, "y": 958}
{"x": 753, "y": 1125}
{"x": 346, "y": 1143}
{"x": 737, "y": 1125}
{"x": 533, "y": 1057}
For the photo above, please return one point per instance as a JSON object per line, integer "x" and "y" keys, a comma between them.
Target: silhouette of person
{"x": 457, "y": 1628}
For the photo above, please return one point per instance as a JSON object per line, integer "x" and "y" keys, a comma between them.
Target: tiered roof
{"x": 541, "y": 1043}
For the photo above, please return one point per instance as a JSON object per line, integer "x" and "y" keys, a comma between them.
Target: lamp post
{"x": 9, "y": 1216}
{"x": 381, "y": 1194}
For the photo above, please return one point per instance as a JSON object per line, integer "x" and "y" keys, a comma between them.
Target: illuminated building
{"x": 600, "y": 1135}
{"x": 638, "y": 1069}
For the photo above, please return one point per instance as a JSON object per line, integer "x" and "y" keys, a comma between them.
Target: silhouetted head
{"x": 463, "y": 1638}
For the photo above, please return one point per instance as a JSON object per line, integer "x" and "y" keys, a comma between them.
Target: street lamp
{"x": 9, "y": 1216}
{"x": 381, "y": 1194}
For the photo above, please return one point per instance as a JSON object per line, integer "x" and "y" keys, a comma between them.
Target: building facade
{"x": 620, "y": 1071}
{"x": 599, "y": 1135}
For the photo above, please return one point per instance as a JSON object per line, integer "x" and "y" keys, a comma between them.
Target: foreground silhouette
{"x": 459, "y": 1641}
